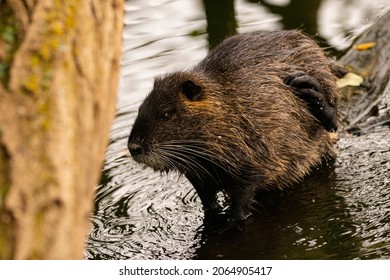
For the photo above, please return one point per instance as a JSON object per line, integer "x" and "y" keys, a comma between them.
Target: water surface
{"x": 339, "y": 213}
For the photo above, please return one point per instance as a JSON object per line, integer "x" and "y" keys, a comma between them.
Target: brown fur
{"x": 235, "y": 126}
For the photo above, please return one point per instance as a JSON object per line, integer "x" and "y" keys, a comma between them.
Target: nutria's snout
{"x": 136, "y": 148}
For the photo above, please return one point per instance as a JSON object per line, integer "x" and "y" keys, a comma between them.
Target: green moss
{"x": 58, "y": 22}
{"x": 4, "y": 69}
{"x": 9, "y": 41}
{"x": 44, "y": 110}
{"x": 8, "y": 34}
{"x": 4, "y": 173}
{"x": 37, "y": 253}
{"x": 6, "y": 220}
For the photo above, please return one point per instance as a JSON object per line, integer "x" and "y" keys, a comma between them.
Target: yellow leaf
{"x": 364, "y": 46}
{"x": 350, "y": 79}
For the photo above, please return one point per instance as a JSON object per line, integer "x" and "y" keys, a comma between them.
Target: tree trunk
{"x": 59, "y": 72}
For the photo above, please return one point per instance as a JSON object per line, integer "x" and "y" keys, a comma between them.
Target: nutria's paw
{"x": 308, "y": 88}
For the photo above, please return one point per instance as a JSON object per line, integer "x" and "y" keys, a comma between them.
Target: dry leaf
{"x": 350, "y": 79}
{"x": 364, "y": 46}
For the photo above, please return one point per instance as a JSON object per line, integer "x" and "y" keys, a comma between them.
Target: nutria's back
{"x": 277, "y": 53}
{"x": 232, "y": 124}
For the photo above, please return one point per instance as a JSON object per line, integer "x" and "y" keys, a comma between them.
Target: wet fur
{"x": 235, "y": 125}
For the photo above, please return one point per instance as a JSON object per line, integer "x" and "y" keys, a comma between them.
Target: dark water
{"x": 338, "y": 213}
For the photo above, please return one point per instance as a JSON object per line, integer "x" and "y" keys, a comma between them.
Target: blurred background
{"x": 165, "y": 34}
{"x": 342, "y": 213}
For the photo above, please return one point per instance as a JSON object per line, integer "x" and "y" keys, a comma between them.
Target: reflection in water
{"x": 293, "y": 14}
{"x": 340, "y": 213}
{"x": 221, "y": 20}
{"x": 301, "y": 14}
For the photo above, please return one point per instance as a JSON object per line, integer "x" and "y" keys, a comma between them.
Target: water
{"x": 340, "y": 213}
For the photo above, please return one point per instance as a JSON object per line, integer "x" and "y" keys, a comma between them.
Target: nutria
{"x": 252, "y": 115}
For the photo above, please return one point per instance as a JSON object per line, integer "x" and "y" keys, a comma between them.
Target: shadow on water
{"x": 341, "y": 212}
{"x": 295, "y": 13}
{"x": 221, "y": 20}
{"x": 302, "y": 14}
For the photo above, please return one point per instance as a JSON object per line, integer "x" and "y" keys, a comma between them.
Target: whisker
{"x": 185, "y": 161}
{"x": 203, "y": 153}
{"x": 192, "y": 152}
{"x": 189, "y": 155}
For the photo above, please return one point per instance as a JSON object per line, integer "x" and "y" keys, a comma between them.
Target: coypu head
{"x": 170, "y": 131}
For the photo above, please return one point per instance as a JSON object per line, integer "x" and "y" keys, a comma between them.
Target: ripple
{"x": 140, "y": 214}
{"x": 144, "y": 215}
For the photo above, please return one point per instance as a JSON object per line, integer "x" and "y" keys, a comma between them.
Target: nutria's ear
{"x": 191, "y": 90}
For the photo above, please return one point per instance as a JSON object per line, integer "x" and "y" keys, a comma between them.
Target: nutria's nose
{"x": 135, "y": 149}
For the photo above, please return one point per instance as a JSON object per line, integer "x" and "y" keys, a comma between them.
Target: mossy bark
{"x": 59, "y": 72}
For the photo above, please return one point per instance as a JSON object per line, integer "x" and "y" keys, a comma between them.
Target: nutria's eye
{"x": 166, "y": 115}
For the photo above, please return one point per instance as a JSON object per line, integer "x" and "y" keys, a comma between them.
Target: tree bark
{"x": 358, "y": 104}
{"x": 59, "y": 72}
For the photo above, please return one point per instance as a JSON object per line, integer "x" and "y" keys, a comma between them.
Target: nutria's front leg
{"x": 240, "y": 211}
{"x": 206, "y": 192}
{"x": 241, "y": 202}
{"x": 311, "y": 91}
